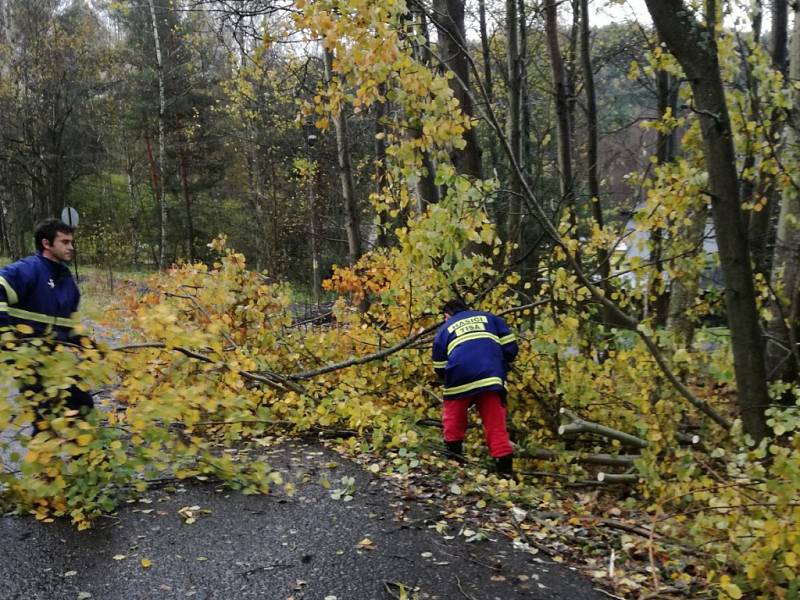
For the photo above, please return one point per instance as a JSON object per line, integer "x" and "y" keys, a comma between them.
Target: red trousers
{"x": 493, "y": 417}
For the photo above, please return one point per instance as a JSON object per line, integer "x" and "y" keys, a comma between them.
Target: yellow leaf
{"x": 146, "y": 563}
{"x": 681, "y": 355}
{"x": 84, "y": 440}
{"x": 731, "y": 589}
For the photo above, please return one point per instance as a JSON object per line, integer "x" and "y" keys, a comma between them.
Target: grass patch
{"x": 99, "y": 287}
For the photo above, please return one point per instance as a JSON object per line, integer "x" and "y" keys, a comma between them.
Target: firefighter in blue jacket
{"x": 38, "y": 291}
{"x": 472, "y": 351}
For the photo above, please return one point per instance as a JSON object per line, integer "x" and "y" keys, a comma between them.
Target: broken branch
{"x": 579, "y": 425}
{"x": 272, "y": 380}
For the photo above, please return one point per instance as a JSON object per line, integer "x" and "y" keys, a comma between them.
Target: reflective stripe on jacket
{"x": 473, "y": 350}
{"x": 40, "y": 293}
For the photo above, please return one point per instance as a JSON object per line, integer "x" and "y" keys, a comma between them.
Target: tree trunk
{"x": 749, "y": 183}
{"x": 593, "y": 178}
{"x": 486, "y": 54}
{"x": 316, "y": 268}
{"x": 353, "y": 218}
{"x": 667, "y": 92}
{"x": 5, "y": 246}
{"x": 513, "y": 119}
{"x": 10, "y": 215}
{"x": 162, "y": 104}
{"x": 761, "y": 229}
{"x": 132, "y": 205}
{"x": 187, "y": 199}
{"x": 683, "y": 289}
{"x": 382, "y": 237}
{"x": 570, "y": 68}
{"x": 488, "y": 83}
{"x": 560, "y": 86}
{"x": 783, "y": 326}
{"x": 780, "y": 35}
{"x": 427, "y": 190}
{"x": 154, "y": 186}
{"x": 255, "y": 195}
{"x": 694, "y": 45}
{"x": 758, "y": 20}
{"x": 449, "y": 21}
{"x": 524, "y": 104}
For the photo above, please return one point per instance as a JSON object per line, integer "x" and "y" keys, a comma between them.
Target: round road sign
{"x": 70, "y": 216}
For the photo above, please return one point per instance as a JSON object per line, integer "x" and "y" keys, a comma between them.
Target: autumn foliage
{"x": 213, "y": 366}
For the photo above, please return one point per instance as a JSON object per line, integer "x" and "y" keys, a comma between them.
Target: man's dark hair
{"x": 47, "y": 230}
{"x": 454, "y": 306}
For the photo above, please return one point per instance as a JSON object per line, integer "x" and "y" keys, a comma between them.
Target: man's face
{"x": 61, "y": 249}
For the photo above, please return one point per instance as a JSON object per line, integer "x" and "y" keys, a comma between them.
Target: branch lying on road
{"x": 603, "y": 477}
{"x": 282, "y": 382}
{"x": 568, "y": 483}
{"x": 579, "y": 425}
{"x": 614, "y": 460}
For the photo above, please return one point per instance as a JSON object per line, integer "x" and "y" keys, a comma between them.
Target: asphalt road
{"x": 308, "y": 546}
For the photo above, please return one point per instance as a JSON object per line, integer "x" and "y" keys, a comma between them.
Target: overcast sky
{"x": 610, "y": 11}
{"x": 606, "y": 12}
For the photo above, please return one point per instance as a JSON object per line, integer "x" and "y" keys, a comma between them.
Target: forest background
{"x": 625, "y": 195}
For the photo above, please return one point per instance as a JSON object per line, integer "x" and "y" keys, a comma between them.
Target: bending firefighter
{"x": 472, "y": 351}
{"x": 39, "y": 296}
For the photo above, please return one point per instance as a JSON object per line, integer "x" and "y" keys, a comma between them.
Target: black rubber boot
{"x": 504, "y": 466}
{"x": 455, "y": 450}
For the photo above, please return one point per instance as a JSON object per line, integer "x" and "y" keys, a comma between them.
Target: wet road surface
{"x": 308, "y": 546}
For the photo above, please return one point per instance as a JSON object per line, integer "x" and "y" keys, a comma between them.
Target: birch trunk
{"x": 162, "y": 103}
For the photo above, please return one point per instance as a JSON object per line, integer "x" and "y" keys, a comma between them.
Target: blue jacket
{"x": 473, "y": 351}
{"x": 41, "y": 293}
